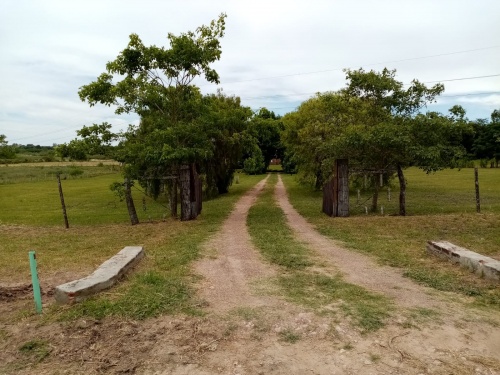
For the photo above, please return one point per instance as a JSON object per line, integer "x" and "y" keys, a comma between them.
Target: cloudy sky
{"x": 275, "y": 54}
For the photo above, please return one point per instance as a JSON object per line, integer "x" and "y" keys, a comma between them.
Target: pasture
{"x": 441, "y": 207}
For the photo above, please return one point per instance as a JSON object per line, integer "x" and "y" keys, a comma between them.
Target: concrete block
{"x": 477, "y": 263}
{"x": 102, "y": 278}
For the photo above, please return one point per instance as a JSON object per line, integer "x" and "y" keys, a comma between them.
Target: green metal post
{"x": 36, "y": 284}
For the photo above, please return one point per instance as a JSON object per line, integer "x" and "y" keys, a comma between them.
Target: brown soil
{"x": 247, "y": 330}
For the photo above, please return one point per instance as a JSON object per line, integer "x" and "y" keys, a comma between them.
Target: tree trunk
{"x": 328, "y": 198}
{"x": 130, "y": 203}
{"x": 319, "y": 180}
{"x": 402, "y": 192}
{"x": 375, "y": 195}
{"x": 185, "y": 189}
{"x": 199, "y": 194}
{"x": 193, "y": 191}
{"x": 341, "y": 188}
{"x": 172, "y": 192}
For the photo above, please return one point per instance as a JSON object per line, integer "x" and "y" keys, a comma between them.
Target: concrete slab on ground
{"x": 477, "y": 263}
{"x": 102, "y": 278}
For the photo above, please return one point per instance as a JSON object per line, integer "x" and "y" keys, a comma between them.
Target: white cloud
{"x": 51, "y": 48}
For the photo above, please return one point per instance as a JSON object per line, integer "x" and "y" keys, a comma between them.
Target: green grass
{"x": 327, "y": 294}
{"x": 19, "y": 173}
{"x": 324, "y": 294}
{"x": 162, "y": 282}
{"x": 89, "y": 201}
{"x": 269, "y": 232}
{"x": 443, "y": 192}
{"x": 290, "y": 336}
{"x": 401, "y": 241}
{"x": 37, "y": 350}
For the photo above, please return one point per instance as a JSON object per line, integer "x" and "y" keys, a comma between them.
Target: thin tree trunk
{"x": 328, "y": 198}
{"x": 185, "y": 188}
{"x": 402, "y": 191}
{"x": 172, "y": 192}
{"x": 130, "y": 203}
{"x": 193, "y": 187}
{"x": 375, "y": 195}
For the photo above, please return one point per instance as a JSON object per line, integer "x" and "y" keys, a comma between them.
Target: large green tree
{"x": 225, "y": 122}
{"x": 378, "y": 125}
{"x": 156, "y": 83}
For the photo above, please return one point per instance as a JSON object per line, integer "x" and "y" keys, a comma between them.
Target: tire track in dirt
{"x": 356, "y": 268}
{"x": 235, "y": 263}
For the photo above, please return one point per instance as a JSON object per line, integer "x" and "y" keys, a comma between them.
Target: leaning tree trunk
{"x": 130, "y": 203}
{"x": 402, "y": 192}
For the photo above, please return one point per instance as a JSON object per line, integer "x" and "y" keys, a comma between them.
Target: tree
{"x": 311, "y": 132}
{"x": 376, "y": 123}
{"x": 225, "y": 122}
{"x": 6, "y": 151}
{"x": 486, "y": 144}
{"x": 94, "y": 140}
{"x": 76, "y": 149}
{"x": 265, "y": 129}
{"x": 157, "y": 85}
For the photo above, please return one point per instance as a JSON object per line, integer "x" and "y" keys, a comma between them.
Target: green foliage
{"x": 178, "y": 125}
{"x": 74, "y": 150}
{"x": 118, "y": 189}
{"x": 255, "y": 163}
{"x": 264, "y": 131}
{"x": 224, "y": 122}
{"x": 6, "y": 151}
{"x": 375, "y": 123}
{"x": 486, "y": 143}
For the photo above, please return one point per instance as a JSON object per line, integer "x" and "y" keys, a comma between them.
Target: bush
{"x": 254, "y": 164}
{"x": 74, "y": 171}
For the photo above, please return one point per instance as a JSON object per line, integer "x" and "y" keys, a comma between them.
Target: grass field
{"x": 162, "y": 282}
{"x": 441, "y": 207}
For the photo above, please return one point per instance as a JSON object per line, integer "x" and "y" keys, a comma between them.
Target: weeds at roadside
{"x": 319, "y": 292}
{"x": 35, "y": 350}
{"x": 288, "y": 335}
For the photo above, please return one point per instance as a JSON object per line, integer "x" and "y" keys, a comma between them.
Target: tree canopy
{"x": 378, "y": 125}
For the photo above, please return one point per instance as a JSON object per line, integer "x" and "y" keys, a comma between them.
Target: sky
{"x": 275, "y": 54}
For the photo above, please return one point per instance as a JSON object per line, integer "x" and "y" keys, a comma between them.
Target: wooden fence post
{"x": 66, "y": 223}
{"x": 478, "y": 201}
